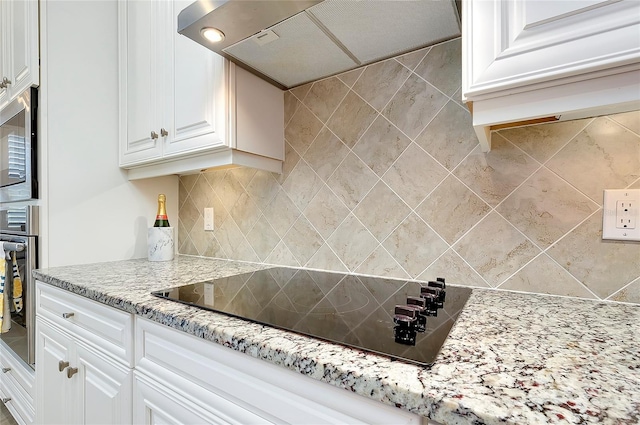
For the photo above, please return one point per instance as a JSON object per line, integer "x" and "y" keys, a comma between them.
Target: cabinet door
{"x": 104, "y": 389}
{"x": 19, "y": 45}
{"x": 52, "y": 387}
{"x": 154, "y": 404}
{"x": 140, "y": 90}
{"x": 195, "y": 111}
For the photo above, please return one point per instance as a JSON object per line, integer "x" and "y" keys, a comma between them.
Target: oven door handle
{"x": 13, "y": 246}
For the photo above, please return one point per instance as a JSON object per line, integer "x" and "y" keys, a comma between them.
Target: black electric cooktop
{"x": 405, "y": 320}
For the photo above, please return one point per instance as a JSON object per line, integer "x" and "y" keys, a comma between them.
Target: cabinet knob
{"x": 154, "y": 135}
{"x": 67, "y": 315}
{"x": 62, "y": 365}
{"x": 163, "y": 132}
{"x": 6, "y": 369}
{"x": 71, "y": 371}
{"x": 6, "y": 400}
{"x": 6, "y": 81}
{"x": 2, "y": 85}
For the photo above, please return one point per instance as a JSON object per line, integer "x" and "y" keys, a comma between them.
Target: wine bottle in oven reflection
{"x": 161, "y": 216}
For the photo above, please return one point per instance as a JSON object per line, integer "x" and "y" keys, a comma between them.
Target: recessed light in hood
{"x": 290, "y": 42}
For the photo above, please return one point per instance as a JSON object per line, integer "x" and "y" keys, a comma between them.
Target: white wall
{"x": 90, "y": 212}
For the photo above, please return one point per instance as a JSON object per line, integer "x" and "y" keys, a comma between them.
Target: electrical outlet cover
{"x": 621, "y": 215}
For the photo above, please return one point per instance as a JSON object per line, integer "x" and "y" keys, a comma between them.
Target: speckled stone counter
{"x": 510, "y": 359}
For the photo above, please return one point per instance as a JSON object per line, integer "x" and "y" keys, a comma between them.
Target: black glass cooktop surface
{"x": 406, "y": 320}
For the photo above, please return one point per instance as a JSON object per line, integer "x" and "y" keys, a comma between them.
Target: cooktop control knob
{"x": 420, "y": 305}
{"x": 405, "y": 317}
{"x": 438, "y": 284}
{"x": 436, "y": 299}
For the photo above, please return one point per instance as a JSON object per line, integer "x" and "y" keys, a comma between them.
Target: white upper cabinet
{"x": 538, "y": 60}
{"x": 184, "y": 108}
{"x": 19, "y": 68}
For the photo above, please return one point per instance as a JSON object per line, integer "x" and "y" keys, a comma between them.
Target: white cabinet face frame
{"x": 512, "y": 44}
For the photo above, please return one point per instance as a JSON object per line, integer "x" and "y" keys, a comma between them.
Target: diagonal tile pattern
{"x": 383, "y": 176}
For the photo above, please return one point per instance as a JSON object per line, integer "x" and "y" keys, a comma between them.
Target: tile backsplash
{"x": 384, "y": 176}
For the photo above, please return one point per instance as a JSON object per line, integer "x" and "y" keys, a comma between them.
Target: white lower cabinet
{"x": 84, "y": 372}
{"x": 183, "y": 379}
{"x": 16, "y": 386}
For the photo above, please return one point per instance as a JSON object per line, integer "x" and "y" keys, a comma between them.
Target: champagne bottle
{"x": 161, "y": 216}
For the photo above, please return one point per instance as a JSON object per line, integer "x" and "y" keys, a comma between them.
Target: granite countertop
{"x": 510, "y": 358}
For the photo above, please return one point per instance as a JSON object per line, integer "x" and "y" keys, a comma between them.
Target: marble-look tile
{"x": 380, "y": 263}
{"x": 442, "y": 66}
{"x": 188, "y": 214}
{"x": 545, "y": 276}
{"x": 281, "y": 255}
{"x": 352, "y": 180}
{"x": 629, "y": 294}
{"x": 229, "y": 236}
{"x": 495, "y": 249}
{"x": 302, "y": 240}
{"x": 454, "y": 270}
{"x": 326, "y": 259}
{"x": 243, "y": 174}
{"x": 302, "y": 185}
{"x": 603, "y": 156}
{"x": 182, "y": 234}
{"x": 214, "y": 250}
{"x": 604, "y": 266}
{"x": 302, "y": 129}
{"x": 350, "y": 77}
{"x": 201, "y": 193}
{"x": 215, "y": 177}
{"x": 188, "y": 181}
{"x": 381, "y": 211}
{"x": 262, "y": 238}
{"x": 291, "y": 159}
{"x": 301, "y": 91}
{"x": 380, "y": 81}
{"x": 414, "y": 175}
{"x": 635, "y": 185}
{"x": 545, "y": 207}
{"x": 457, "y": 97}
{"x": 262, "y": 188}
{"x": 220, "y": 213}
{"x": 449, "y": 137}
{"x": 291, "y": 104}
{"x": 414, "y": 245}
{"x": 326, "y": 153}
{"x": 229, "y": 190}
{"x": 452, "y": 209}
{"x": 325, "y": 212}
{"x": 381, "y": 145}
{"x": 630, "y": 120}
{"x": 414, "y": 106}
{"x": 182, "y": 194}
{"x": 351, "y": 119}
{"x": 412, "y": 59}
{"x": 352, "y": 242}
{"x": 243, "y": 252}
{"x": 188, "y": 248}
{"x": 325, "y": 96}
{"x": 245, "y": 213}
{"x": 281, "y": 213}
{"x": 542, "y": 141}
{"x": 494, "y": 175}
{"x": 201, "y": 239}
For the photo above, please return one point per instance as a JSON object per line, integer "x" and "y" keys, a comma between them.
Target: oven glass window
{"x": 13, "y": 154}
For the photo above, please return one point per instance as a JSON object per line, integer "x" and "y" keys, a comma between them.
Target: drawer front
{"x": 22, "y": 374}
{"x": 20, "y": 405}
{"x": 269, "y": 391}
{"x": 108, "y": 328}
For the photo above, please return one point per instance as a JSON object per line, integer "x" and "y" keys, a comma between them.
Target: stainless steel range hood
{"x": 292, "y": 42}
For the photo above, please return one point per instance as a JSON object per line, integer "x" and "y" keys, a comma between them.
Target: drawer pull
{"x": 71, "y": 371}
{"x": 6, "y": 369}
{"x": 6, "y": 400}
{"x": 62, "y": 365}
{"x": 67, "y": 315}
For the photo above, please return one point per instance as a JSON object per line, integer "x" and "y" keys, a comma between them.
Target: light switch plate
{"x": 621, "y": 215}
{"x": 208, "y": 219}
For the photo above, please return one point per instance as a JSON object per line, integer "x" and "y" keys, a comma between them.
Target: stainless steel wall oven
{"x": 19, "y": 243}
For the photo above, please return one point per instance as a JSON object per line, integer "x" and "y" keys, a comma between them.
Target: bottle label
{"x": 161, "y": 217}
